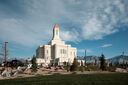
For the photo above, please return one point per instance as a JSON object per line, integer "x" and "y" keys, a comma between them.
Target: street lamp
{"x": 5, "y": 52}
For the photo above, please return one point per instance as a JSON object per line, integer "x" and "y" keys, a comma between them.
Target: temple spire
{"x": 56, "y": 32}
{"x": 56, "y": 26}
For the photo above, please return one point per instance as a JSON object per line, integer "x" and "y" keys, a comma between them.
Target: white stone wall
{"x": 40, "y": 52}
{"x": 79, "y": 61}
{"x": 40, "y": 61}
{"x": 65, "y": 52}
{"x": 43, "y": 62}
{"x": 47, "y": 52}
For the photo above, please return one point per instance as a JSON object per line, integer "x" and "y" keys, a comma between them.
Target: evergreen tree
{"x": 34, "y": 64}
{"x": 102, "y": 62}
{"x": 74, "y": 66}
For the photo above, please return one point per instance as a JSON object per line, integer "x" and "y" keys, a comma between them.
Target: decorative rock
{"x": 120, "y": 70}
{"x": 1, "y": 77}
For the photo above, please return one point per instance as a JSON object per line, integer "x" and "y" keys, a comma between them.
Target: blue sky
{"x": 95, "y": 25}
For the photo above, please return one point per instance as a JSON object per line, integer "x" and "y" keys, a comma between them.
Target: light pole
{"x": 85, "y": 56}
{"x": 5, "y": 48}
{"x": 5, "y": 53}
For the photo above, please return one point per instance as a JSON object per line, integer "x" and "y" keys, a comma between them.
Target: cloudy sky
{"x": 95, "y": 25}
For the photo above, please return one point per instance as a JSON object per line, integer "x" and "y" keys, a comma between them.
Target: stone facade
{"x": 56, "y": 52}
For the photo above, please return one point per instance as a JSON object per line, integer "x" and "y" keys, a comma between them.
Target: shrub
{"x": 111, "y": 68}
{"x": 92, "y": 68}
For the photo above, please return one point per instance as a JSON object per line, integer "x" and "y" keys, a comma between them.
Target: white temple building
{"x": 56, "y": 52}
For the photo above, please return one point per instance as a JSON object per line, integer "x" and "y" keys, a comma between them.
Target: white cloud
{"x": 103, "y": 20}
{"x": 13, "y": 30}
{"x": 70, "y": 35}
{"x": 84, "y": 20}
{"x": 108, "y": 10}
{"x": 106, "y": 45}
{"x": 93, "y": 30}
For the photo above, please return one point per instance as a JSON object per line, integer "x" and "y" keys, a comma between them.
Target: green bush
{"x": 111, "y": 68}
{"x": 92, "y": 68}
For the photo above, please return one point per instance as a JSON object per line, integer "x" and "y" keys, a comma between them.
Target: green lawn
{"x": 73, "y": 79}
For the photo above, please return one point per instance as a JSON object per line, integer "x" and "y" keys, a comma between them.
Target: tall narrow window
{"x": 60, "y": 51}
{"x": 63, "y": 51}
{"x": 47, "y": 51}
{"x": 56, "y": 32}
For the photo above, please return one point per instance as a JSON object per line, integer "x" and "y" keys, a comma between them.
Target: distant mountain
{"x": 91, "y": 59}
{"x": 120, "y": 59}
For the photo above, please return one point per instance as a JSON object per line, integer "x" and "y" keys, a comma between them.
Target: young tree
{"x": 85, "y": 63}
{"x": 82, "y": 63}
{"x": 34, "y": 64}
{"x": 74, "y": 66}
{"x": 123, "y": 64}
{"x": 102, "y": 62}
{"x": 95, "y": 61}
{"x": 82, "y": 67}
{"x": 110, "y": 64}
{"x": 68, "y": 67}
{"x": 126, "y": 65}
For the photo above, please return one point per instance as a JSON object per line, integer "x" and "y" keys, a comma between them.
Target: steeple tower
{"x": 56, "y": 33}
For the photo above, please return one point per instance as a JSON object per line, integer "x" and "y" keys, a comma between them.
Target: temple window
{"x": 47, "y": 51}
{"x": 56, "y": 32}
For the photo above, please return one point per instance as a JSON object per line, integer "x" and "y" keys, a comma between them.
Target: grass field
{"x": 72, "y": 79}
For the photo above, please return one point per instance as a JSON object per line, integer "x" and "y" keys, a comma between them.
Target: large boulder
{"x": 6, "y": 73}
{"x": 1, "y": 77}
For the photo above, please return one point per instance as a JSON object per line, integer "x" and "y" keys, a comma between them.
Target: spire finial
{"x": 56, "y": 26}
